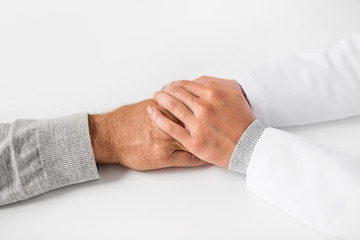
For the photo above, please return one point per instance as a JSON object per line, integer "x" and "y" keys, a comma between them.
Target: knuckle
{"x": 179, "y": 83}
{"x": 169, "y": 128}
{"x": 171, "y": 104}
{"x": 205, "y": 110}
{"x": 155, "y": 117}
{"x": 203, "y": 80}
{"x": 173, "y": 90}
{"x": 204, "y": 77}
{"x": 173, "y": 82}
{"x": 213, "y": 93}
{"x": 211, "y": 83}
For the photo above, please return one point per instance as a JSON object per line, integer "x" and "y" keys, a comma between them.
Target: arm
{"x": 307, "y": 88}
{"x": 316, "y": 185}
{"x": 37, "y": 156}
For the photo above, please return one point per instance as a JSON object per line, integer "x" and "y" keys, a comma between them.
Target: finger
{"x": 228, "y": 83}
{"x": 206, "y": 79}
{"x": 182, "y": 95}
{"x": 216, "y": 85}
{"x": 174, "y": 106}
{"x": 165, "y": 124}
{"x": 197, "y": 89}
{"x": 185, "y": 159}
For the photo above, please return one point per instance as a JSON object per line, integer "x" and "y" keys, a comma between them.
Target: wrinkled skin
{"x": 129, "y": 137}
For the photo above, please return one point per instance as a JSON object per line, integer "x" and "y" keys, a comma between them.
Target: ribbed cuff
{"x": 65, "y": 150}
{"x": 241, "y": 156}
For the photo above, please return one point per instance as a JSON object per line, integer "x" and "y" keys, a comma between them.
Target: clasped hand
{"x": 190, "y": 123}
{"x": 215, "y": 114}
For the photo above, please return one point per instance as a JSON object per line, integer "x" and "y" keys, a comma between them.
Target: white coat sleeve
{"x": 318, "y": 186}
{"x": 308, "y": 88}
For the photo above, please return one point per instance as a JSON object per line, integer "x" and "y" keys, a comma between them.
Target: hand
{"x": 128, "y": 136}
{"x": 207, "y": 80}
{"x": 215, "y": 117}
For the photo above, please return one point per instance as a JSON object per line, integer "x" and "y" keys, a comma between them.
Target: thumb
{"x": 185, "y": 159}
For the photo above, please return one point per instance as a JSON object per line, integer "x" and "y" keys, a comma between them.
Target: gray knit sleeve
{"x": 37, "y": 156}
{"x": 242, "y": 153}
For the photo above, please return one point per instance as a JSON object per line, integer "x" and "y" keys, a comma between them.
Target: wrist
{"x": 100, "y": 137}
{"x": 243, "y": 92}
{"x": 242, "y": 153}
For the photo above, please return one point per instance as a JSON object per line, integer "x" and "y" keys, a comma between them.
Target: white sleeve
{"x": 308, "y": 88}
{"x": 318, "y": 186}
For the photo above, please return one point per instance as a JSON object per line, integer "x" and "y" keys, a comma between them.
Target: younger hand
{"x": 207, "y": 80}
{"x": 215, "y": 117}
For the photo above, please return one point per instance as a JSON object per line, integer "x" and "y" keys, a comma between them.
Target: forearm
{"x": 37, "y": 156}
{"x": 316, "y": 185}
{"x": 307, "y": 88}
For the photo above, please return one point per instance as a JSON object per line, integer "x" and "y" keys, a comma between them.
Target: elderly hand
{"x": 128, "y": 136}
{"x": 214, "y": 117}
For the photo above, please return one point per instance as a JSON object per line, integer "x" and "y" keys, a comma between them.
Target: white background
{"x": 63, "y": 57}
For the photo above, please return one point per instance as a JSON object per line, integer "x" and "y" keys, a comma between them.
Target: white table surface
{"x": 63, "y": 57}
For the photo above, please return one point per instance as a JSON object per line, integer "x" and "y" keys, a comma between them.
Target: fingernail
{"x": 149, "y": 110}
